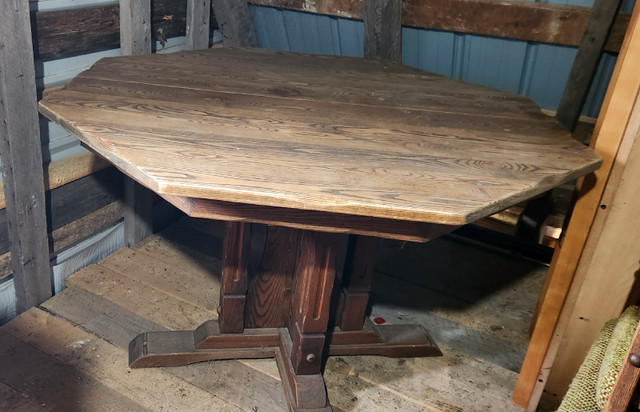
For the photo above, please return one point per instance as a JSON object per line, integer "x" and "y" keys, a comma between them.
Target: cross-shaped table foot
{"x": 301, "y": 338}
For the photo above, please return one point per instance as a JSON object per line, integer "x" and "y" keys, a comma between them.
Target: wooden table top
{"x": 318, "y": 133}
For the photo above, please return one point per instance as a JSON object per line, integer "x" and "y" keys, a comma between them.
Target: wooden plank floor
{"x": 70, "y": 354}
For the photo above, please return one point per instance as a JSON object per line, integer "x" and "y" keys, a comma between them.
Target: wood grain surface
{"x": 318, "y": 133}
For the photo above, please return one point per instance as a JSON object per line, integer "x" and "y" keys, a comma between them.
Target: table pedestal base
{"x": 303, "y": 392}
{"x": 287, "y": 309}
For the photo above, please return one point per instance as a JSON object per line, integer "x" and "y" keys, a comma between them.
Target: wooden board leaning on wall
{"x": 56, "y": 34}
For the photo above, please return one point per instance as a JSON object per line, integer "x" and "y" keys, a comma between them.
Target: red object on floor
{"x": 379, "y": 321}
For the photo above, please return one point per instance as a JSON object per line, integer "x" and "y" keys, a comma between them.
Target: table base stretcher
{"x": 288, "y": 311}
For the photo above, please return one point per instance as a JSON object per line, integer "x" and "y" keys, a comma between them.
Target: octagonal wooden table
{"x": 314, "y": 146}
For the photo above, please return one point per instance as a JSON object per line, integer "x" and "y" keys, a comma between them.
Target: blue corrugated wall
{"x": 538, "y": 71}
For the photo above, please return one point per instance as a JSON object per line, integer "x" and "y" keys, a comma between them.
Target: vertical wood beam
{"x": 198, "y": 17}
{"x": 383, "y": 30}
{"x": 138, "y": 212}
{"x": 135, "y": 27}
{"x": 135, "y": 39}
{"x": 234, "y": 21}
{"x": 357, "y": 279}
{"x": 586, "y": 62}
{"x": 235, "y": 265}
{"x": 21, "y": 153}
{"x": 313, "y": 283}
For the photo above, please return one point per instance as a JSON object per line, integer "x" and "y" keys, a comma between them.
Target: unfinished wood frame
{"x": 22, "y": 158}
{"x": 614, "y": 123}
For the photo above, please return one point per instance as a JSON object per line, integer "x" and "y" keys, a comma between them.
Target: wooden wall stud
{"x": 135, "y": 39}
{"x": 198, "y": 18}
{"x": 21, "y": 155}
{"x": 135, "y": 27}
{"x": 383, "y": 30}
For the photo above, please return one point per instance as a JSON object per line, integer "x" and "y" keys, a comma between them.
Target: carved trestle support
{"x": 283, "y": 311}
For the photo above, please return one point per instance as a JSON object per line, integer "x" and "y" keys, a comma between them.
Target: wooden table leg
{"x": 270, "y": 288}
{"x": 300, "y": 339}
{"x": 356, "y": 335}
{"x": 356, "y": 281}
{"x": 233, "y": 288}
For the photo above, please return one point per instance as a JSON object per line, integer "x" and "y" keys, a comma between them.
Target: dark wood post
{"x": 269, "y": 294}
{"x": 21, "y": 153}
{"x": 586, "y": 62}
{"x": 313, "y": 283}
{"x": 135, "y": 38}
{"x": 233, "y": 288}
{"x": 234, "y": 21}
{"x": 198, "y": 16}
{"x": 382, "y": 30}
{"x": 357, "y": 280}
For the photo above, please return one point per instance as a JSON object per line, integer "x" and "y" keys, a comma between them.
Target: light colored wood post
{"x": 383, "y": 30}
{"x": 198, "y": 16}
{"x": 135, "y": 27}
{"x": 610, "y": 129}
{"x": 607, "y": 269}
{"x": 135, "y": 38}
{"x": 21, "y": 153}
{"x": 235, "y": 23}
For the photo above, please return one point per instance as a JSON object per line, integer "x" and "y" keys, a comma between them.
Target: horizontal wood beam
{"x": 73, "y": 201}
{"x": 68, "y": 170}
{"x": 537, "y": 22}
{"x": 74, "y": 232}
{"x": 65, "y": 33}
